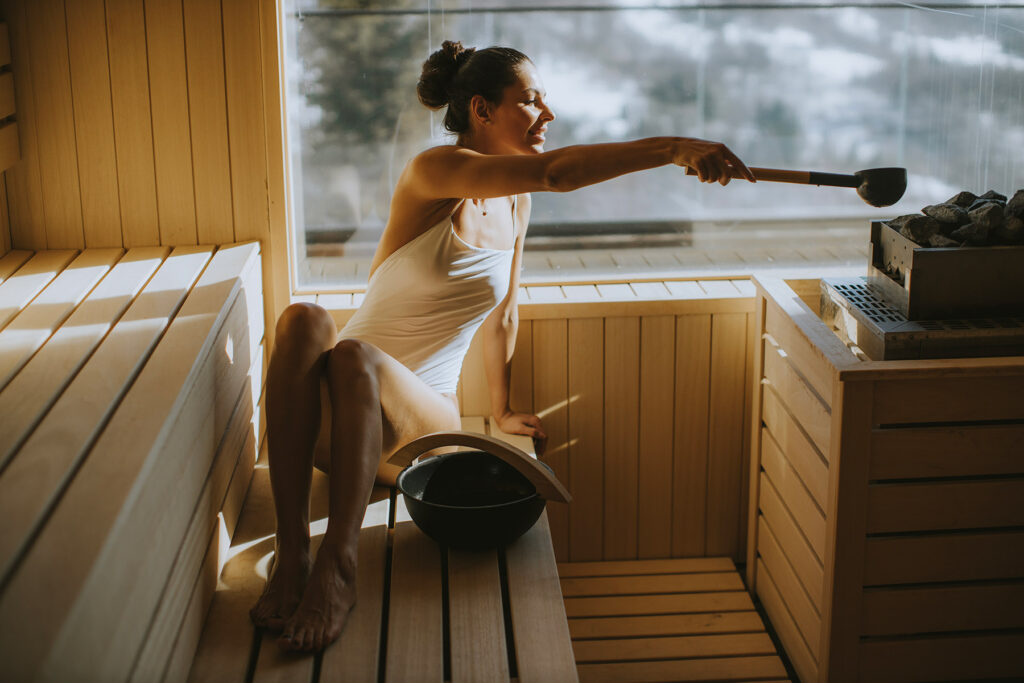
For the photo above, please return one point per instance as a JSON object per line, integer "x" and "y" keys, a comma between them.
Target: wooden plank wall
{"x": 644, "y": 391}
{"x": 144, "y": 123}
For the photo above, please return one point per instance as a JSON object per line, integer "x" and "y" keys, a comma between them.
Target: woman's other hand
{"x": 527, "y": 425}
{"x": 711, "y": 162}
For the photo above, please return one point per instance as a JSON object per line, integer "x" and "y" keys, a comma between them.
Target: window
{"x": 936, "y": 87}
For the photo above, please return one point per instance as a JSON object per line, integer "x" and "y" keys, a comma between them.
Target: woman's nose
{"x": 548, "y": 113}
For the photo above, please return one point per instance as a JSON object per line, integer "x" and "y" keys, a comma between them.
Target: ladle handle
{"x": 778, "y": 175}
{"x": 546, "y": 483}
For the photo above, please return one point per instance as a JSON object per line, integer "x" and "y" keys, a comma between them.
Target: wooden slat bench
{"x": 422, "y": 613}
{"x": 128, "y": 386}
{"x": 666, "y": 620}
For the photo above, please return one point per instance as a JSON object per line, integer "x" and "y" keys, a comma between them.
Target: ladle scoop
{"x": 876, "y": 186}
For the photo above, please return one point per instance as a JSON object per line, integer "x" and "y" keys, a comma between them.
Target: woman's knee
{"x": 351, "y": 359}
{"x": 304, "y": 323}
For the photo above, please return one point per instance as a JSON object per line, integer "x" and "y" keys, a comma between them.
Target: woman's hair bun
{"x": 439, "y": 72}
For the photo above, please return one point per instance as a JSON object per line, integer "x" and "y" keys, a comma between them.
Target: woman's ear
{"x": 480, "y": 109}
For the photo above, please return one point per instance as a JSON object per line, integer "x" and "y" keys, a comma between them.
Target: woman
{"x": 447, "y": 264}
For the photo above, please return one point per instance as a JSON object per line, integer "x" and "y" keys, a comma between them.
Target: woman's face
{"x": 520, "y": 121}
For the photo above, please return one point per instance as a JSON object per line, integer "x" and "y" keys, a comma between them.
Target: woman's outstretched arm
{"x": 451, "y": 171}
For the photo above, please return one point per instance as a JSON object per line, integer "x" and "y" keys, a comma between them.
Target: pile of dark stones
{"x": 966, "y": 220}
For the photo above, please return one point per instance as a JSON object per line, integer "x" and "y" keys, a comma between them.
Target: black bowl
{"x": 470, "y": 499}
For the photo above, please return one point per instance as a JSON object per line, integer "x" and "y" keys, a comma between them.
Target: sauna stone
{"x": 962, "y": 199}
{"x": 972, "y": 234}
{"x": 989, "y": 216}
{"x": 992, "y": 194}
{"x": 920, "y": 228}
{"x": 939, "y": 240}
{"x": 950, "y": 216}
{"x": 1015, "y": 207}
{"x": 1011, "y": 231}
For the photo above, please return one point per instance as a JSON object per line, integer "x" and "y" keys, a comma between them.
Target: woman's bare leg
{"x": 304, "y": 333}
{"x": 377, "y": 405}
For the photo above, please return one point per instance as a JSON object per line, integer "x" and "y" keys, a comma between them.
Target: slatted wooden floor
{"x": 666, "y": 620}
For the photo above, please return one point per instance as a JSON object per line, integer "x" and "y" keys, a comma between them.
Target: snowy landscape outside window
{"x": 935, "y": 87}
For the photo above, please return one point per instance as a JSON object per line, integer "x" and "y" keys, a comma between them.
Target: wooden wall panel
{"x": 725, "y": 433}
{"x": 690, "y": 450}
{"x": 621, "y": 425}
{"x": 5, "y": 222}
{"x": 172, "y": 137}
{"x": 655, "y": 452}
{"x": 204, "y": 51}
{"x": 133, "y": 128}
{"x": 94, "y": 122}
{"x": 25, "y": 194}
{"x": 58, "y": 163}
{"x": 550, "y": 398}
{"x": 586, "y": 438}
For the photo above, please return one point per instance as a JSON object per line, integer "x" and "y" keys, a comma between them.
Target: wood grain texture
{"x": 936, "y": 506}
{"x": 475, "y": 617}
{"x": 690, "y": 565}
{"x": 660, "y": 603}
{"x": 665, "y": 625}
{"x": 961, "y": 451}
{"x": 172, "y": 136}
{"x": 31, "y": 278}
{"x": 621, "y": 425}
{"x": 796, "y": 548}
{"x": 34, "y": 479}
{"x": 809, "y": 411}
{"x": 543, "y": 646}
{"x": 944, "y": 557}
{"x": 673, "y": 647}
{"x": 94, "y": 122}
{"x": 5, "y": 219}
{"x": 247, "y": 143}
{"x": 650, "y": 584}
{"x": 948, "y": 658}
{"x": 725, "y": 434}
{"x": 24, "y": 183}
{"x": 54, "y": 113}
{"x": 550, "y": 400}
{"x": 690, "y": 455}
{"x": 7, "y": 101}
{"x": 788, "y": 632}
{"x": 586, "y": 437}
{"x": 414, "y": 616}
{"x": 844, "y": 545}
{"x": 721, "y": 669}
{"x": 787, "y": 435}
{"x": 927, "y": 609}
{"x": 806, "y": 513}
{"x": 208, "y": 121}
{"x": 655, "y": 449}
{"x": 11, "y": 261}
{"x": 133, "y": 127}
{"x": 947, "y": 399}
{"x": 34, "y": 325}
{"x": 803, "y": 611}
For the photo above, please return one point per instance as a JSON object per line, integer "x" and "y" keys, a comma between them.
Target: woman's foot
{"x": 288, "y": 576}
{"x": 329, "y": 597}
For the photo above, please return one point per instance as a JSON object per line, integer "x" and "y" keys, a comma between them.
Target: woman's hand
{"x": 527, "y": 425}
{"x": 711, "y": 162}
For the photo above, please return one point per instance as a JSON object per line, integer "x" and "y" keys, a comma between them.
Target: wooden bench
{"x": 422, "y": 613}
{"x": 128, "y": 386}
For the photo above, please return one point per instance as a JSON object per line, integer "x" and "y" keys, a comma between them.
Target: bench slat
{"x": 34, "y": 479}
{"x": 659, "y": 603}
{"x": 543, "y": 645}
{"x": 640, "y": 585}
{"x": 355, "y": 656}
{"x": 126, "y": 488}
{"x": 665, "y": 625}
{"x": 414, "y": 617}
{"x": 476, "y": 619}
{"x": 40, "y": 382}
{"x": 30, "y": 279}
{"x": 687, "y": 565}
{"x": 674, "y": 647}
{"x": 11, "y": 261}
{"x": 723, "y": 669}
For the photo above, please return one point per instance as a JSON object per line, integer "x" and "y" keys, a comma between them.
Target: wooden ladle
{"x": 547, "y": 485}
{"x": 876, "y": 186}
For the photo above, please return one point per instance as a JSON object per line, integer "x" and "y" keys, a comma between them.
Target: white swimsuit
{"x": 426, "y": 300}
